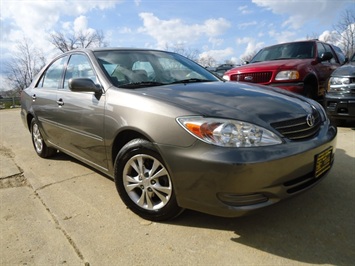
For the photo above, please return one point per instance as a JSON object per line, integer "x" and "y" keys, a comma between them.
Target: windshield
{"x": 142, "y": 68}
{"x": 298, "y": 50}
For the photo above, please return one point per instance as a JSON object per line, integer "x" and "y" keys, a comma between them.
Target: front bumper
{"x": 340, "y": 106}
{"x": 292, "y": 87}
{"x": 231, "y": 182}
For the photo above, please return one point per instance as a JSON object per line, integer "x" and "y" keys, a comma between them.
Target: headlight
{"x": 339, "y": 85}
{"x": 226, "y": 77}
{"x": 228, "y": 133}
{"x": 287, "y": 75}
{"x": 339, "y": 81}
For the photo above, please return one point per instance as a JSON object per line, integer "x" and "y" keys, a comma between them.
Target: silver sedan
{"x": 174, "y": 136}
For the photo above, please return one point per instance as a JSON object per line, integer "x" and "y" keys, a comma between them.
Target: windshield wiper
{"x": 141, "y": 84}
{"x": 192, "y": 80}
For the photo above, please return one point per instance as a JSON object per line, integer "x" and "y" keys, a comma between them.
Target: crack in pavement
{"x": 15, "y": 177}
{"x": 61, "y": 181}
{"x": 67, "y": 236}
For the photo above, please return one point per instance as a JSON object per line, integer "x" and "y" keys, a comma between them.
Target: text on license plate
{"x": 323, "y": 162}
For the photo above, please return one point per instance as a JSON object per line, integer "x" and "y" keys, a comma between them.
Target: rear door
{"x": 44, "y": 97}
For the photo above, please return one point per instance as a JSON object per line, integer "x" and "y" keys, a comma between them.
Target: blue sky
{"x": 224, "y": 29}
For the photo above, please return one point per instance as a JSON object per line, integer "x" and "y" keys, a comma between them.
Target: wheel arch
{"x": 311, "y": 81}
{"x": 29, "y": 118}
{"x": 122, "y": 139}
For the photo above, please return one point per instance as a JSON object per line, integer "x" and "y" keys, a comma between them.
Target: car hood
{"x": 233, "y": 100}
{"x": 345, "y": 71}
{"x": 270, "y": 65}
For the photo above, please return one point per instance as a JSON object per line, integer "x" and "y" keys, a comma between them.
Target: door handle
{"x": 60, "y": 102}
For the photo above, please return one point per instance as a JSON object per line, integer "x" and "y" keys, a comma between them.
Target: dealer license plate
{"x": 323, "y": 162}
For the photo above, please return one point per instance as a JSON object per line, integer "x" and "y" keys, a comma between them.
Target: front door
{"x": 81, "y": 115}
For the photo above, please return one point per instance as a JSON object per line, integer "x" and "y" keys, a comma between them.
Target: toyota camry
{"x": 173, "y": 136}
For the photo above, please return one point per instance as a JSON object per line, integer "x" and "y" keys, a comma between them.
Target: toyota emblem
{"x": 310, "y": 120}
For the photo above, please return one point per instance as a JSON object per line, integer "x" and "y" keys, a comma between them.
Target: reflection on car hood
{"x": 346, "y": 71}
{"x": 233, "y": 100}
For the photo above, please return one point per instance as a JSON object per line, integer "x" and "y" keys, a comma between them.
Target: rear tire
{"x": 39, "y": 145}
{"x": 144, "y": 183}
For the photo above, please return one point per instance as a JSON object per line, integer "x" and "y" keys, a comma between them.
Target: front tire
{"x": 39, "y": 145}
{"x": 144, "y": 183}
{"x": 309, "y": 91}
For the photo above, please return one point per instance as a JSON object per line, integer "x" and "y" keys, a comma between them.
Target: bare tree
{"x": 346, "y": 31}
{"x": 229, "y": 62}
{"x": 248, "y": 57}
{"x": 181, "y": 49}
{"x": 312, "y": 36}
{"x": 82, "y": 39}
{"x": 25, "y": 64}
{"x": 207, "y": 61}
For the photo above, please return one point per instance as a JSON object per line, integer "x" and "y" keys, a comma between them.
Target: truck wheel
{"x": 309, "y": 91}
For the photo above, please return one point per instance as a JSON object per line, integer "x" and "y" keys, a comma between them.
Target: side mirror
{"x": 83, "y": 85}
{"x": 326, "y": 56}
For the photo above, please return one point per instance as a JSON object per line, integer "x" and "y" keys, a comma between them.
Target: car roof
{"x": 314, "y": 40}
{"x": 99, "y": 49}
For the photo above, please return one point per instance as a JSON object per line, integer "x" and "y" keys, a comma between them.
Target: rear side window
{"x": 53, "y": 75}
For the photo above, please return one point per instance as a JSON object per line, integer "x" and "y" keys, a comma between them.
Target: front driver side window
{"x": 79, "y": 67}
{"x": 328, "y": 49}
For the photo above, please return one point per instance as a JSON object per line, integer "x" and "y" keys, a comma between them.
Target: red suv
{"x": 303, "y": 67}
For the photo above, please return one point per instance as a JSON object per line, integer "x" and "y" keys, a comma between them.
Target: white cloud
{"x": 176, "y": 31}
{"x": 215, "y": 41}
{"x": 34, "y": 19}
{"x": 301, "y": 12}
{"x": 282, "y": 36}
{"x": 244, "y": 10}
{"x": 247, "y": 24}
{"x": 218, "y": 55}
{"x": 125, "y": 30}
{"x": 252, "y": 46}
{"x": 337, "y": 39}
{"x": 329, "y": 36}
{"x": 80, "y": 24}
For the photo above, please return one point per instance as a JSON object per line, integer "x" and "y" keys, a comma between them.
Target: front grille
{"x": 260, "y": 77}
{"x": 331, "y": 106}
{"x": 303, "y": 182}
{"x": 298, "y": 129}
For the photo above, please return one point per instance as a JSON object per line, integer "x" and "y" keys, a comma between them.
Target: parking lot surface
{"x": 60, "y": 212}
